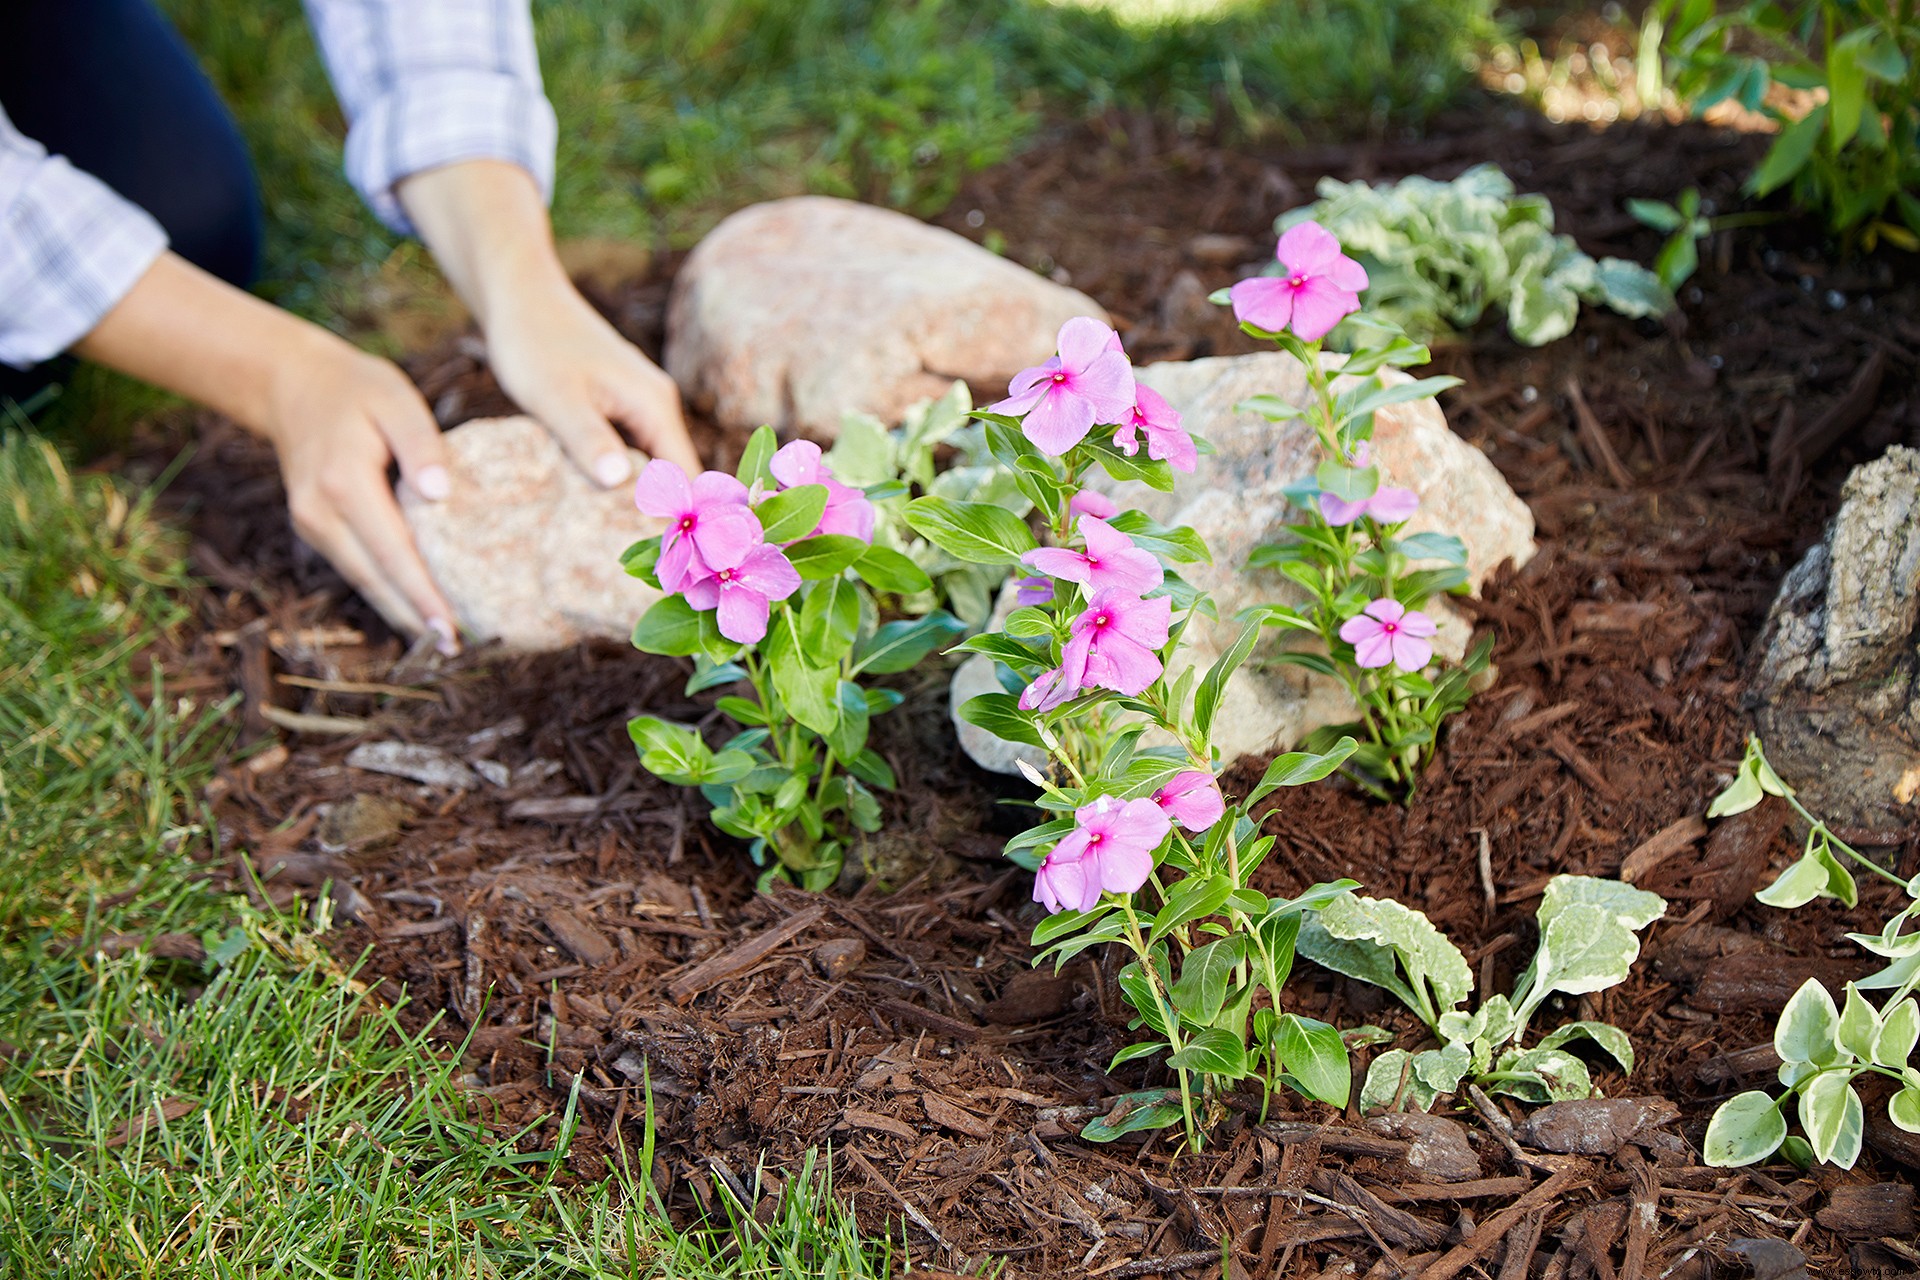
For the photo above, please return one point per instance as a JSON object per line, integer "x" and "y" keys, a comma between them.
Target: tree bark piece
{"x": 717, "y": 969}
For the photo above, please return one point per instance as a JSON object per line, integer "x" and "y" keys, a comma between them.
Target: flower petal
{"x": 725, "y": 534}
{"x": 743, "y": 614}
{"x": 1083, "y": 340}
{"x": 1411, "y": 653}
{"x": 1108, "y": 385}
{"x": 1060, "y": 421}
{"x": 1091, "y": 502}
{"x": 1338, "y": 512}
{"x": 1390, "y": 505}
{"x": 1375, "y": 650}
{"x": 1307, "y": 249}
{"x": 1358, "y": 628}
{"x": 661, "y": 490}
{"x": 797, "y": 463}
{"x": 1386, "y": 609}
{"x": 1318, "y": 305}
{"x": 769, "y": 572}
{"x": 1265, "y": 302}
{"x": 717, "y": 488}
{"x": 1416, "y": 623}
{"x": 1059, "y": 562}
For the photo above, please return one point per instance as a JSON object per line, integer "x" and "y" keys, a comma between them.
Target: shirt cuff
{"x": 70, "y": 249}
{"x": 443, "y": 117}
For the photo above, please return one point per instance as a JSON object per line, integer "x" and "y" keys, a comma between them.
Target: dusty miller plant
{"x": 1825, "y": 1046}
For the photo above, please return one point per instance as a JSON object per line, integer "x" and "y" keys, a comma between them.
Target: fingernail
{"x": 611, "y": 469}
{"x": 449, "y": 646}
{"x": 434, "y": 484}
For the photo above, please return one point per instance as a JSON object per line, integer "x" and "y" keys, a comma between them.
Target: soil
{"x": 579, "y": 927}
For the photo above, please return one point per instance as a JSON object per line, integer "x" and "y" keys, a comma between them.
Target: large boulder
{"x": 1236, "y": 500}
{"x": 1837, "y": 692}
{"x": 798, "y": 311}
{"x": 527, "y": 547}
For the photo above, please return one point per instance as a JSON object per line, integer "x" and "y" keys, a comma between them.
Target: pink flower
{"x": 1046, "y": 692}
{"x": 1034, "y": 590}
{"x": 708, "y": 522}
{"x": 743, "y": 592}
{"x": 1090, "y": 381}
{"x": 1192, "y": 799}
{"x": 848, "y": 511}
{"x": 1110, "y": 562}
{"x": 1386, "y": 631}
{"x": 1166, "y": 442}
{"x": 1387, "y": 505}
{"x": 1321, "y": 287}
{"x": 1109, "y": 850}
{"x": 1089, "y": 502}
{"x": 1114, "y": 642}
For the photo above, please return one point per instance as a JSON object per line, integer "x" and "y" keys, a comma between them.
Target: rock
{"x": 528, "y": 548}
{"x": 1438, "y": 1149}
{"x": 429, "y": 766}
{"x": 1596, "y": 1126}
{"x": 797, "y": 311}
{"x": 1836, "y": 696}
{"x": 972, "y": 678}
{"x": 1235, "y": 500}
{"x": 838, "y": 957}
{"x": 361, "y": 822}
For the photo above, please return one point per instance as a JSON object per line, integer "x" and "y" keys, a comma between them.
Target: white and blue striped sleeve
{"x": 426, "y": 83}
{"x": 70, "y": 249}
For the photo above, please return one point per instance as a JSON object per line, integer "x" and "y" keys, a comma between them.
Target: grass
{"x": 258, "y": 1113}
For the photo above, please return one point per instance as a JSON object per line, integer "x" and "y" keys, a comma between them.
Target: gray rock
{"x": 1597, "y": 1126}
{"x": 1835, "y": 694}
{"x": 1236, "y": 500}
{"x": 528, "y": 548}
{"x": 798, "y": 311}
{"x": 972, "y": 678}
{"x": 1438, "y": 1149}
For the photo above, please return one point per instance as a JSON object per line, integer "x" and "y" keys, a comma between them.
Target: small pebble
{"x": 838, "y": 957}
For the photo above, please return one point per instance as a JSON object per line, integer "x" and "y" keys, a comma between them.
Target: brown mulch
{"x": 579, "y": 926}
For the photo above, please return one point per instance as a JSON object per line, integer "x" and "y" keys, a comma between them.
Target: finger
{"x": 414, "y": 437}
{"x": 647, "y": 403}
{"x": 374, "y": 519}
{"x": 333, "y": 538}
{"x": 594, "y": 446}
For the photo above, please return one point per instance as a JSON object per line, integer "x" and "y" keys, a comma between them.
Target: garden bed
{"x": 582, "y": 917}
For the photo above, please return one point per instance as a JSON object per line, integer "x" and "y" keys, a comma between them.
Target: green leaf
{"x": 1192, "y": 899}
{"x": 1583, "y": 948}
{"x": 1314, "y": 1059}
{"x": 829, "y": 620}
{"x": 1789, "y": 153}
{"x": 1629, "y": 288}
{"x": 827, "y": 555}
{"x": 899, "y": 646}
{"x": 1271, "y": 407}
{"x": 670, "y": 627}
{"x": 1832, "y": 1118}
{"x": 1818, "y": 874}
{"x": 1859, "y": 1025}
{"x": 1609, "y": 1037}
{"x": 1903, "y": 1108}
{"x": 848, "y": 738}
{"x": 1433, "y": 546}
{"x": 1745, "y": 1130}
{"x": 1155, "y": 475}
{"x": 1141, "y": 1116}
{"x": 1634, "y": 908}
{"x": 756, "y": 458}
{"x": 1742, "y": 794}
{"x": 1202, "y": 988}
{"x": 1214, "y": 1052}
{"x": 1899, "y": 1031}
{"x": 1003, "y": 648}
{"x": 1846, "y": 84}
{"x": 1545, "y": 1075}
{"x": 793, "y": 513}
{"x": 1207, "y": 699}
{"x": 1430, "y": 962}
{"x": 1061, "y": 923}
{"x": 1350, "y": 484}
{"x": 1145, "y": 1049}
{"x": 1385, "y": 1076}
{"x": 1399, "y": 393}
{"x": 1657, "y": 214}
{"x": 1297, "y": 768}
{"x": 671, "y": 752}
{"x": 1000, "y": 715}
{"x": 1809, "y": 1026}
{"x": 885, "y": 569}
{"x": 1180, "y": 545}
{"x": 809, "y": 693}
{"x": 971, "y": 531}
{"x": 708, "y": 674}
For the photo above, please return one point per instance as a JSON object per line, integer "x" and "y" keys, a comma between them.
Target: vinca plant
{"x": 1365, "y": 580}
{"x": 774, "y": 584}
{"x": 1588, "y": 942}
{"x": 1824, "y": 1045}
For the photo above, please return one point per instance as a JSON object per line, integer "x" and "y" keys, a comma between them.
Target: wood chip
{"x": 429, "y": 766}
{"x": 855, "y": 1118}
{"x": 950, "y": 1116}
{"x": 1611, "y": 615}
{"x": 162, "y": 1113}
{"x": 1661, "y": 845}
{"x": 1594, "y": 436}
{"x": 1589, "y": 773}
{"x": 737, "y": 960}
{"x": 586, "y": 944}
{"x": 1494, "y": 1229}
{"x": 304, "y": 722}
{"x": 1868, "y": 1212}
{"x": 367, "y": 687}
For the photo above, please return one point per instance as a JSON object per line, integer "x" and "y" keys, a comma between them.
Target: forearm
{"x": 487, "y": 227}
{"x": 199, "y": 337}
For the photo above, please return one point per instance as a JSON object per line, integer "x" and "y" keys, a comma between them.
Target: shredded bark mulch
{"x": 579, "y": 927}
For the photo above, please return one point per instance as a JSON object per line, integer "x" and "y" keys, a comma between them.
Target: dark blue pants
{"x": 110, "y": 85}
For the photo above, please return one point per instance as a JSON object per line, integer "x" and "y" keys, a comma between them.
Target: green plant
{"x": 1439, "y": 254}
{"x": 1823, "y": 1046}
{"x": 895, "y": 464}
{"x": 1851, "y": 158}
{"x": 771, "y": 576}
{"x": 1588, "y": 943}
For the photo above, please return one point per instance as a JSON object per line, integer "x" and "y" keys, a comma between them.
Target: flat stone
{"x": 527, "y": 547}
{"x": 1596, "y": 1126}
{"x": 797, "y": 312}
{"x": 429, "y": 766}
{"x": 1837, "y": 693}
{"x": 1438, "y": 1149}
{"x": 1235, "y": 499}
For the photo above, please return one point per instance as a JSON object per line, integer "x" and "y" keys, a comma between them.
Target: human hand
{"x": 337, "y": 417}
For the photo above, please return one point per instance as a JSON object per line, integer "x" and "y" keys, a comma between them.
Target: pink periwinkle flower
{"x": 744, "y": 591}
{"x": 708, "y": 521}
{"x": 1109, "y": 850}
{"x": 1321, "y": 287}
{"x": 1114, "y": 643}
{"x": 1091, "y": 502}
{"x": 1089, "y": 382}
{"x": 1032, "y": 590}
{"x": 1388, "y": 505}
{"x": 1386, "y": 631}
{"x": 1154, "y": 418}
{"x": 1192, "y": 799}
{"x": 848, "y": 511}
{"x": 1046, "y": 692}
{"x": 1110, "y": 562}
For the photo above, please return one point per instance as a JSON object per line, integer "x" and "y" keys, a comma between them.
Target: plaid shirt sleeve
{"x": 431, "y": 82}
{"x": 70, "y": 248}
